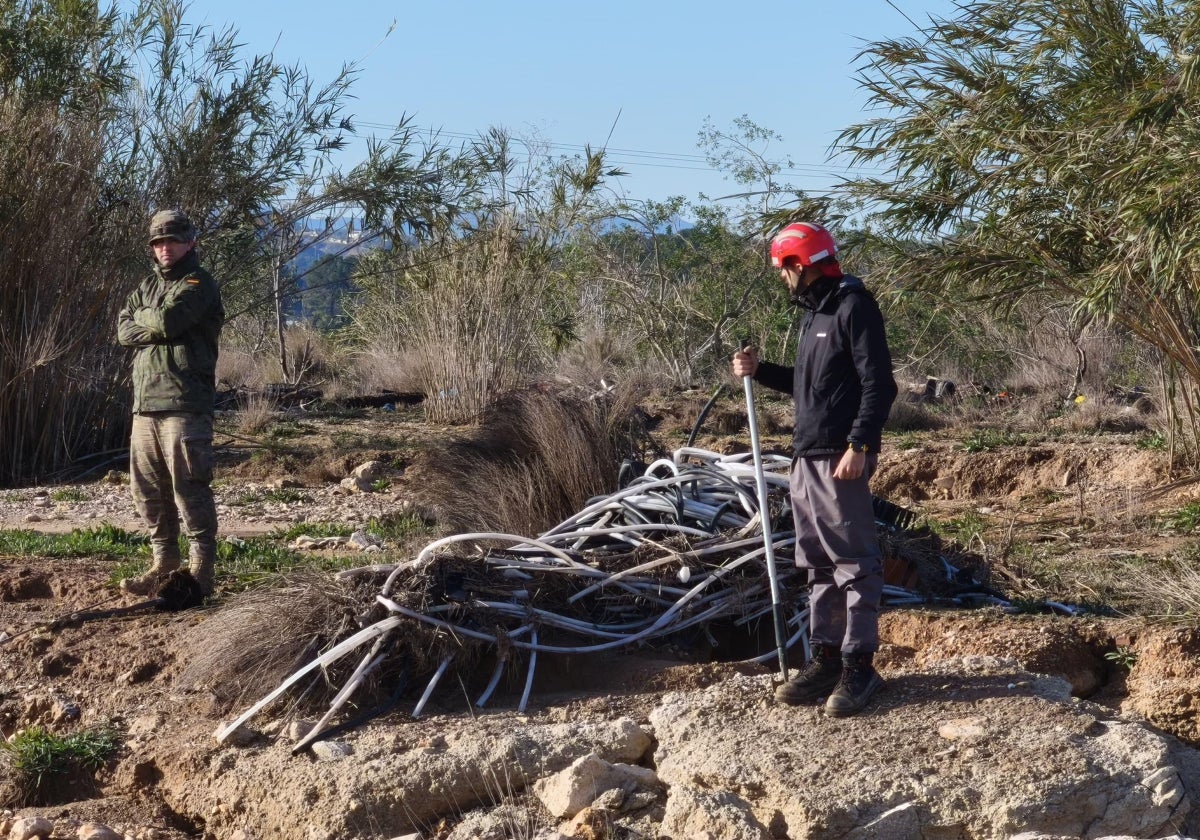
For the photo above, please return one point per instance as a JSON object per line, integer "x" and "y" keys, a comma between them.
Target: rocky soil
{"x": 992, "y": 725}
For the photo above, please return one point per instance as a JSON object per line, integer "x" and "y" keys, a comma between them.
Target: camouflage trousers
{"x": 170, "y": 475}
{"x": 837, "y": 542}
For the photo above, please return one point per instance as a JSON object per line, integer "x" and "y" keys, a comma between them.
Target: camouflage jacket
{"x": 173, "y": 321}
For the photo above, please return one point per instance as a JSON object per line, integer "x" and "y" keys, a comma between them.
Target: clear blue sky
{"x": 565, "y": 70}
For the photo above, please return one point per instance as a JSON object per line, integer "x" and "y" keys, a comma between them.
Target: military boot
{"x": 859, "y": 682}
{"x": 202, "y": 563}
{"x": 165, "y": 561}
{"x": 815, "y": 680}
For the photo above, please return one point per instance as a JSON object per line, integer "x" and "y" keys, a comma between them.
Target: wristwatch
{"x": 855, "y": 446}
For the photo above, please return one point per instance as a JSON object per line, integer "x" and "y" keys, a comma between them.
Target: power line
{"x": 646, "y": 158}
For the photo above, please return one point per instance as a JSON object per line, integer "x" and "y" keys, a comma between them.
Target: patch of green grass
{"x": 68, "y": 494}
{"x": 398, "y": 528}
{"x": 1156, "y": 442}
{"x": 37, "y": 758}
{"x": 963, "y": 530}
{"x": 381, "y": 485}
{"x": 288, "y": 495}
{"x": 289, "y": 429}
{"x": 250, "y": 497}
{"x": 253, "y": 562}
{"x": 103, "y": 540}
{"x": 128, "y": 568}
{"x": 907, "y": 440}
{"x": 983, "y": 440}
{"x": 274, "y": 454}
{"x": 1187, "y": 518}
{"x": 1022, "y": 550}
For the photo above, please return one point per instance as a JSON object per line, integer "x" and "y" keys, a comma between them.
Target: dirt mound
{"x": 172, "y": 781}
{"x": 1021, "y": 472}
{"x": 129, "y": 671}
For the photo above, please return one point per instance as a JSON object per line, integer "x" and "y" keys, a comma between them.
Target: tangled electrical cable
{"x": 675, "y": 549}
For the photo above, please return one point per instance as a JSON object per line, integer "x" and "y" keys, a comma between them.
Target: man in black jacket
{"x": 843, "y": 387}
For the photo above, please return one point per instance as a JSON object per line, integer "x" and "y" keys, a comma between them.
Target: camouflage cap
{"x": 171, "y": 224}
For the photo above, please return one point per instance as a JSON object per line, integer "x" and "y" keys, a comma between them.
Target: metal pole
{"x": 768, "y": 541}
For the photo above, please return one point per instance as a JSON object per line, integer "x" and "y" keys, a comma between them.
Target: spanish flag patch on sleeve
{"x": 192, "y": 281}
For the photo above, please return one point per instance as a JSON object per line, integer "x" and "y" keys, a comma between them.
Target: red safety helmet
{"x": 804, "y": 241}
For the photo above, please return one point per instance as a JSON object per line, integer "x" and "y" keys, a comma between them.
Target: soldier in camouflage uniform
{"x": 173, "y": 321}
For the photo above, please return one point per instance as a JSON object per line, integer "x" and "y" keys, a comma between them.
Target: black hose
{"x": 704, "y": 413}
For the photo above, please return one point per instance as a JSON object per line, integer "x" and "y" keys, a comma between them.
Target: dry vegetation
{"x": 548, "y": 344}
{"x": 267, "y": 633}
{"x": 57, "y": 356}
{"x": 535, "y": 458}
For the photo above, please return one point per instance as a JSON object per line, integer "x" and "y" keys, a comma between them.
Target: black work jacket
{"x": 842, "y": 380}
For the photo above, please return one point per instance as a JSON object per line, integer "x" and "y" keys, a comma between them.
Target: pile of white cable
{"x": 676, "y": 549}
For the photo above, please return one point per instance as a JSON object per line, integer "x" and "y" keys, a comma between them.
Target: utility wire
{"x": 642, "y": 157}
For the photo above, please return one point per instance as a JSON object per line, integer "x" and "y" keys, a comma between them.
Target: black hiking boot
{"x": 859, "y": 682}
{"x": 815, "y": 680}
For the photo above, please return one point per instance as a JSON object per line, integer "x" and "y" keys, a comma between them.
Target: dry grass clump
{"x": 250, "y": 359}
{"x": 598, "y": 357}
{"x": 535, "y": 459}
{"x": 264, "y": 635}
{"x": 472, "y": 322}
{"x": 256, "y": 413}
{"x": 244, "y": 651}
{"x": 624, "y": 419}
{"x": 379, "y": 369}
{"x": 1102, "y": 415}
{"x": 314, "y": 358}
{"x": 240, "y": 368}
{"x": 1169, "y": 592}
{"x": 909, "y": 416}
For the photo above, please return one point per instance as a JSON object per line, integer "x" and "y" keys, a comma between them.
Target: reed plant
{"x": 59, "y": 297}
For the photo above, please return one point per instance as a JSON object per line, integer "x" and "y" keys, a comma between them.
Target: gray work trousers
{"x": 170, "y": 476}
{"x": 836, "y": 542}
